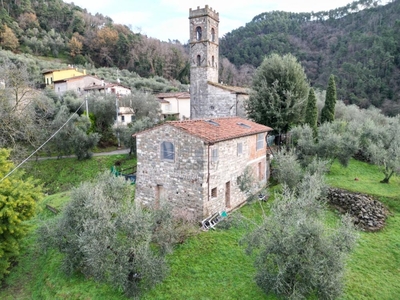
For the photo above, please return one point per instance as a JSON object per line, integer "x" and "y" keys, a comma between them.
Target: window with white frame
{"x": 214, "y": 154}
{"x": 167, "y": 151}
{"x": 239, "y": 148}
{"x": 260, "y": 141}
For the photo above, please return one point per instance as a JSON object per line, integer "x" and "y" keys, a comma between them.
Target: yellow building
{"x": 54, "y": 75}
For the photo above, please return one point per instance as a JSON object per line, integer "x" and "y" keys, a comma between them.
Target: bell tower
{"x": 203, "y": 58}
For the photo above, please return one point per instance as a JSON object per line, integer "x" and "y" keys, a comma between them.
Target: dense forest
{"x": 358, "y": 43}
{"x": 58, "y": 29}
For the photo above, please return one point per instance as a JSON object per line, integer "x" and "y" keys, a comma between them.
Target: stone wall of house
{"x": 180, "y": 182}
{"x": 228, "y": 168}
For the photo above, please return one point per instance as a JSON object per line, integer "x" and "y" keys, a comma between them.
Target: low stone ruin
{"x": 367, "y": 213}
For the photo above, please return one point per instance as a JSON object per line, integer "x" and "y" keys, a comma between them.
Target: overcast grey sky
{"x": 168, "y": 19}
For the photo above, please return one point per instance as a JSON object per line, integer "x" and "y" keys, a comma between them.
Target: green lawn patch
{"x": 373, "y": 270}
{"x": 59, "y": 175}
{"x": 213, "y": 264}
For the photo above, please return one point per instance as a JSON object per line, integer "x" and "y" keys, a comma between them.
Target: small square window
{"x": 122, "y": 118}
{"x": 239, "y": 148}
{"x": 167, "y": 151}
{"x": 214, "y": 192}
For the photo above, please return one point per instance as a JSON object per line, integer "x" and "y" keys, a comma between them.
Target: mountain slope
{"x": 360, "y": 47}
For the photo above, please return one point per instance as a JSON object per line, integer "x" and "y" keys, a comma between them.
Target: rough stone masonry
{"x": 368, "y": 214}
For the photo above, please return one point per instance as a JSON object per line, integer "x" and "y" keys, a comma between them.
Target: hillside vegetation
{"x": 214, "y": 263}
{"x": 58, "y": 29}
{"x": 358, "y": 43}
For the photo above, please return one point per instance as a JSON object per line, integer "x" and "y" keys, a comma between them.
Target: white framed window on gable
{"x": 260, "y": 141}
{"x": 214, "y": 155}
{"x": 167, "y": 151}
{"x": 239, "y": 148}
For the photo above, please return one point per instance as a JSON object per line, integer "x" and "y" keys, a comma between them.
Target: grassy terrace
{"x": 211, "y": 265}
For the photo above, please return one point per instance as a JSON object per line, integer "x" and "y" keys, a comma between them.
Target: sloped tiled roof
{"x": 105, "y": 86}
{"x": 217, "y": 129}
{"x": 178, "y": 95}
{"x": 76, "y": 78}
{"x": 233, "y": 89}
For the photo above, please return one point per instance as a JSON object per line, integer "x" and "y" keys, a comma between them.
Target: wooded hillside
{"x": 58, "y": 29}
{"x": 358, "y": 43}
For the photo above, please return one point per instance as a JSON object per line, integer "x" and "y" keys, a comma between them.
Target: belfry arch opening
{"x": 198, "y": 33}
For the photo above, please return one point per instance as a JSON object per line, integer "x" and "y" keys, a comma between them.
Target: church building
{"x": 208, "y": 97}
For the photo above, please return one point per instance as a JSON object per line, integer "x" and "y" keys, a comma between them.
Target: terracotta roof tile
{"x": 76, "y": 78}
{"x": 217, "y": 129}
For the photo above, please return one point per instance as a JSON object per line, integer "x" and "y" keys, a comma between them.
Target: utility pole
{"x": 116, "y": 121}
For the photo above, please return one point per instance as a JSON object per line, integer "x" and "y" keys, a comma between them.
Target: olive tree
{"x": 381, "y": 144}
{"x": 338, "y": 140}
{"x": 25, "y": 112}
{"x": 298, "y": 255}
{"x": 74, "y": 136}
{"x": 279, "y": 93}
{"x": 146, "y": 109}
{"x": 107, "y": 236}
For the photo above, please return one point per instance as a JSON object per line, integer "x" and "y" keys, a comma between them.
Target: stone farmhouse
{"x": 196, "y": 165}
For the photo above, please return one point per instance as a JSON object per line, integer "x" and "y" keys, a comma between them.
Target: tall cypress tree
{"x": 312, "y": 111}
{"x": 328, "y": 111}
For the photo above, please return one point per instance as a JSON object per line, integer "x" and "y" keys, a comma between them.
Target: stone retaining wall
{"x": 367, "y": 213}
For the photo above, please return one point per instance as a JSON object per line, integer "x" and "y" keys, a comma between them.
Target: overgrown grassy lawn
{"x": 213, "y": 264}
{"x": 59, "y": 175}
{"x": 374, "y": 267}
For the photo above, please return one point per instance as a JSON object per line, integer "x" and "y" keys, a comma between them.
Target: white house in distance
{"x": 196, "y": 165}
{"x": 175, "y": 104}
{"x": 109, "y": 88}
{"x": 126, "y": 115}
{"x": 77, "y": 84}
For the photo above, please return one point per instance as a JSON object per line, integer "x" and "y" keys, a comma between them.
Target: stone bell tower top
{"x": 204, "y": 54}
{"x": 206, "y": 11}
{"x": 204, "y": 44}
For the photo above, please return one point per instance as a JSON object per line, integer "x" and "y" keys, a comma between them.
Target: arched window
{"x": 198, "y": 60}
{"x": 198, "y": 33}
{"x": 167, "y": 151}
{"x": 212, "y": 35}
{"x": 213, "y": 61}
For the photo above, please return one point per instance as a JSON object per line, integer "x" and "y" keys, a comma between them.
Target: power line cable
{"x": 53, "y": 135}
